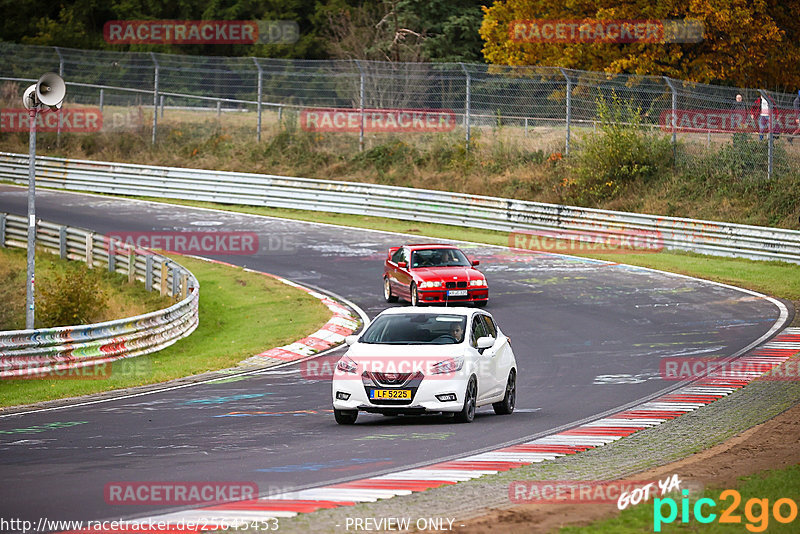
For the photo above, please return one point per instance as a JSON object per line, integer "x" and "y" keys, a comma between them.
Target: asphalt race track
{"x": 588, "y": 338}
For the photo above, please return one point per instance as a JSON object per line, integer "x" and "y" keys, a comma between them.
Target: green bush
{"x": 12, "y": 291}
{"x": 622, "y": 154}
{"x": 294, "y": 147}
{"x": 744, "y": 159}
{"x": 385, "y": 156}
{"x": 70, "y": 298}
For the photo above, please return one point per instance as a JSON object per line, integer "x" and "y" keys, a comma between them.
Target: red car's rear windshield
{"x": 438, "y": 257}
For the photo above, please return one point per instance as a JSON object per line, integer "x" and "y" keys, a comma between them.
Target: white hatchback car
{"x": 415, "y": 361}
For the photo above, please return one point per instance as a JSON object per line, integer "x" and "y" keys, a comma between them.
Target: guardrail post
{"x": 280, "y": 116}
{"x": 62, "y": 242}
{"x": 175, "y": 280}
{"x": 674, "y": 120}
{"x": 148, "y": 272}
{"x": 568, "y": 110}
{"x": 2, "y": 230}
{"x": 769, "y": 132}
{"x": 219, "y": 109}
{"x": 467, "y": 103}
{"x": 258, "y": 97}
{"x": 155, "y": 95}
{"x": 131, "y": 265}
{"x": 102, "y": 94}
{"x": 163, "y": 278}
{"x": 112, "y": 256}
{"x": 89, "y": 250}
{"x": 162, "y": 105}
{"x": 361, "y": 106}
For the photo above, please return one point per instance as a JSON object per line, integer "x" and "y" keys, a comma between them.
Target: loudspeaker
{"x": 29, "y": 97}
{"x": 51, "y": 89}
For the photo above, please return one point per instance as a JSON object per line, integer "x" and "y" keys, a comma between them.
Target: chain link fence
{"x": 539, "y": 108}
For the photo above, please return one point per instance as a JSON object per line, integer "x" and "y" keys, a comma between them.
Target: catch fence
{"x": 540, "y": 108}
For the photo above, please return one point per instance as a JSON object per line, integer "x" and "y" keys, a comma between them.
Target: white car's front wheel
{"x": 467, "y": 413}
{"x": 345, "y": 417}
{"x": 506, "y": 406}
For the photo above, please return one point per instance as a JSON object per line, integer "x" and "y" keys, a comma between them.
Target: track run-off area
{"x": 589, "y": 337}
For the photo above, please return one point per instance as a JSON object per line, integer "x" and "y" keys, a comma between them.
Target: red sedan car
{"x": 433, "y": 274}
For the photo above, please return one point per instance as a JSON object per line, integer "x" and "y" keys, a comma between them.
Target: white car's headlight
{"x": 478, "y": 283}
{"x": 346, "y": 365}
{"x": 425, "y": 285}
{"x": 450, "y": 365}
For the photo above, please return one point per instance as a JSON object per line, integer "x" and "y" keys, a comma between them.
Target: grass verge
{"x": 750, "y": 517}
{"x": 241, "y": 314}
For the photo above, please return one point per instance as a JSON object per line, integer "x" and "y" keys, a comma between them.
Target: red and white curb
{"x": 587, "y": 436}
{"x": 341, "y": 324}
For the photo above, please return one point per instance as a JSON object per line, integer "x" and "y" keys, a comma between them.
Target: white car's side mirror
{"x": 349, "y": 340}
{"x": 485, "y": 342}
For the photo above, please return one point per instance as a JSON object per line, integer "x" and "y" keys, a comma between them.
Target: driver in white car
{"x": 457, "y": 331}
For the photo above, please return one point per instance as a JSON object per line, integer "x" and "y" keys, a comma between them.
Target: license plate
{"x": 390, "y": 394}
{"x": 457, "y": 293}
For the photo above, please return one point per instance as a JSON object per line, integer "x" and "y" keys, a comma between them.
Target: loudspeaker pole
{"x": 29, "y": 302}
{"x": 48, "y": 92}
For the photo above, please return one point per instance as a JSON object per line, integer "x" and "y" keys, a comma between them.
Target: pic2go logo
{"x": 756, "y": 511}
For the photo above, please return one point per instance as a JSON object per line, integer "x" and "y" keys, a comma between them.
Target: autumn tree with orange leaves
{"x": 745, "y": 43}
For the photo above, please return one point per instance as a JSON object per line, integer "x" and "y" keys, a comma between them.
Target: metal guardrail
{"x": 53, "y": 350}
{"x": 492, "y": 213}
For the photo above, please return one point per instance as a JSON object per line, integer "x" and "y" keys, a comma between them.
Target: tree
{"x": 79, "y": 24}
{"x": 449, "y": 28}
{"x": 403, "y": 30}
{"x": 371, "y": 31}
{"x": 744, "y": 42}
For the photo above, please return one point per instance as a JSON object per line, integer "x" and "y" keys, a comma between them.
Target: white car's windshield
{"x": 438, "y": 257}
{"x": 416, "y": 329}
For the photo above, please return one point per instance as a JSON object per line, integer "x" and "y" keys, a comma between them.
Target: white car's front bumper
{"x": 424, "y": 398}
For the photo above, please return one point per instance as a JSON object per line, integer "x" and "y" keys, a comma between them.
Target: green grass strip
{"x": 241, "y": 314}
